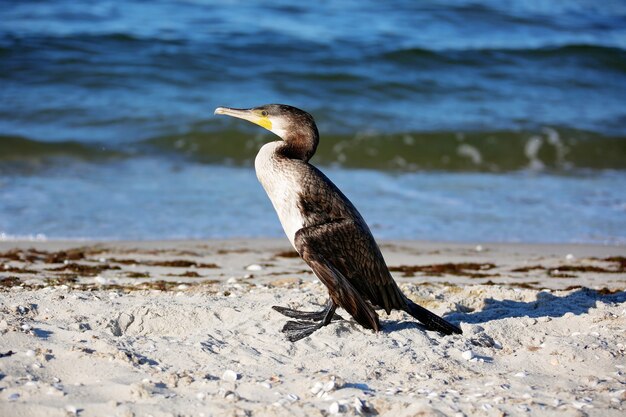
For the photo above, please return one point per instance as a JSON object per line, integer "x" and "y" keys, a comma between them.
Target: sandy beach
{"x": 186, "y": 329}
{"x": 157, "y": 157}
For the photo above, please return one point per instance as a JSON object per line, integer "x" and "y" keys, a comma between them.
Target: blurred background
{"x": 441, "y": 120}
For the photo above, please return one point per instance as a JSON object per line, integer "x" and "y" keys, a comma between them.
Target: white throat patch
{"x": 280, "y": 182}
{"x": 279, "y": 127}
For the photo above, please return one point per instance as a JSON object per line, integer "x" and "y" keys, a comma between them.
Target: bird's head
{"x": 296, "y": 127}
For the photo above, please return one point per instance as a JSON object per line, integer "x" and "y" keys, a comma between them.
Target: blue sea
{"x": 441, "y": 120}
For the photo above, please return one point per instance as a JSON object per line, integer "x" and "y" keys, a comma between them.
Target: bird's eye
{"x": 264, "y": 113}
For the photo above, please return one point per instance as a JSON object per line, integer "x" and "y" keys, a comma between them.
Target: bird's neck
{"x": 299, "y": 144}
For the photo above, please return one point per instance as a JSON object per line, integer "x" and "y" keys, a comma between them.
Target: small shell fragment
{"x": 101, "y": 280}
{"x": 467, "y": 355}
{"x": 254, "y": 267}
{"x": 329, "y": 386}
{"x": 280, "y": 403}
{"x": 230, "y": 376}
{"x": 334, "y": 408}
{"x": 317, "y": 388}
{"x": 359, "y": 405}
{"x": 579, "y": 405}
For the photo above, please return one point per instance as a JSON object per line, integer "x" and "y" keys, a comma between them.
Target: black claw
{"x": 291, "y": 326}
{"x": 296, "y": 330}
{"x": 300, "y": 315}
{"x": 304, "y": 315}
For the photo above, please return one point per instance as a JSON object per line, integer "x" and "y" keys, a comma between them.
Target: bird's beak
{"x": 251, "y": 115}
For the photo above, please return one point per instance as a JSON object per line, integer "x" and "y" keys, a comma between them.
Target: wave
{"x": 488, "y": 151}
{"x": 609, "y": 57}
{"x": 250, "y": 46}
{"x": 18, "y": 149}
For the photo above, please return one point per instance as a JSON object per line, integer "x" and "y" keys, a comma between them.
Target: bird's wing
{"x": 348, "y": 246}
{"x": 341, "y": 290}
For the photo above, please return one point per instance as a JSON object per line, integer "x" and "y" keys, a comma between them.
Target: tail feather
{"x": 431, "y": 320}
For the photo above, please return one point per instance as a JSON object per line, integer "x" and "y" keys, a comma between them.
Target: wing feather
{"x": 353, "y": 254}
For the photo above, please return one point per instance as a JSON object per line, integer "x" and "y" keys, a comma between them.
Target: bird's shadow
{"x": 546, "y": 305}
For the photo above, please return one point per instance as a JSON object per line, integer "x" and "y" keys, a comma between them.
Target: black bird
{"x": 325, "y": 228}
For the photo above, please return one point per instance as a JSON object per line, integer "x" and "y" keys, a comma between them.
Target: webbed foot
{"x": 308, "y": 322}
{"x": 296, "y": 330}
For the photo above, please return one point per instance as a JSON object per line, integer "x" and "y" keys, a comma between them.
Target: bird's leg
{"x": 307, "y": 315}
{"x": 296, "y": 330}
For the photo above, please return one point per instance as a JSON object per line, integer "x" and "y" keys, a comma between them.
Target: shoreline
{"x": 186, "y": 327}
{"x": 23, "y": 239}
{"x": 555, "y": 247}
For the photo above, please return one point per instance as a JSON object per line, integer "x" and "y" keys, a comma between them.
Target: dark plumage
{"x": 325, "y": 229}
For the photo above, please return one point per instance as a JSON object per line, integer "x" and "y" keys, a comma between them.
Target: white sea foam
{"x": 39, "y": 237}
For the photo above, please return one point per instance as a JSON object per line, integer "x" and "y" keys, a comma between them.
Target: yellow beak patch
{"x": 264, "y": 122}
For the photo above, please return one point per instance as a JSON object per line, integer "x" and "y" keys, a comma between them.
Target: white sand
{"x": 212, "y": 346}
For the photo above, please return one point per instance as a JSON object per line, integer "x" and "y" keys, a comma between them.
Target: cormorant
{"x": 325, "y": 228}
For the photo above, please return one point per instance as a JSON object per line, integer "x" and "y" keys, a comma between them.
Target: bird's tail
{"x": 431, "y": 320}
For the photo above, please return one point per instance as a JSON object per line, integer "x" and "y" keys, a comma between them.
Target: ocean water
{"x": 441, "y": 120}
